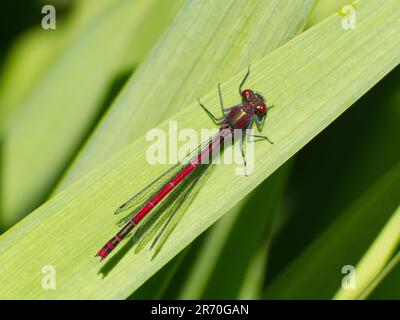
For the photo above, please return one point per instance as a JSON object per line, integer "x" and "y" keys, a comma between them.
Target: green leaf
{"x": 218, "y": 271}
{"x": 56, "y": 117}
{"x": 267, "y": 43}
{"x": 380, "y": 131}
{"x": 375, "y": 260}
{"x": 157, "y": 285}
{"x": 252, "y": 285}
{"x": 35, "y": 50}
{"x": 311, "y": 80}
{"x": 336, "y": 168}
{"x": 324, "y": 9}
{"x": 388, "y": 287}
{"x": 209, "y": 42}
{"x": 19, "y": 73}
{"x": 317, "y": 272}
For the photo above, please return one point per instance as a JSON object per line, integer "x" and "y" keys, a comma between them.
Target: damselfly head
{"x": 256, "y": 101}
{"x": 247, "y": 95}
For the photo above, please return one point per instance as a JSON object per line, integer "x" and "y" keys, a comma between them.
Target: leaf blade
{"x": 87, "y": 204}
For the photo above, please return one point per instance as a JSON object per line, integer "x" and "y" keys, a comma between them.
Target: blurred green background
{"x": 293, "y": 245}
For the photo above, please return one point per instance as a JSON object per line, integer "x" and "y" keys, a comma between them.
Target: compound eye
{"x": 247, "y": 94}
{"x": 261, "y": 109}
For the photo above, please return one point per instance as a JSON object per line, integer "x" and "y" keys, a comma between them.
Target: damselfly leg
{"x": 214, "y": 118}
{"x": 223, "y": 109}
{"x": 265, "y": 138}
{"x": 244, "y": 80}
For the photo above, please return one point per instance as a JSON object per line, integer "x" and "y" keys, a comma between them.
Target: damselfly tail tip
{"x": 103, "y": 253}
{"x": 97, "y": 255}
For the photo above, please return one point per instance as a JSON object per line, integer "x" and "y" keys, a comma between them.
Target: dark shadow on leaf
{"x": 113, "y": 260}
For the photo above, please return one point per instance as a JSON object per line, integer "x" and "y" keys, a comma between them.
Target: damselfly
{"x": 158, "y": 203}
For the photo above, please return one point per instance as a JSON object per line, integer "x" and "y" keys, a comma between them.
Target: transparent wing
{"x": 135, "y": 204}
{"x": 180, "y": 209}
{"x": 159, "y": 226}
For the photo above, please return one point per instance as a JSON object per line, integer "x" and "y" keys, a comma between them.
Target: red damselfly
{"x": 165, "y": 196}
